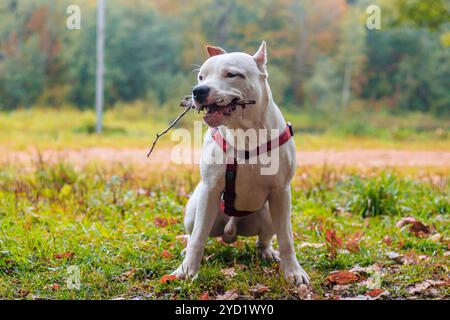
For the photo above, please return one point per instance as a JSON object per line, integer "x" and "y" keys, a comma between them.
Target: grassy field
{"x": 123, "y": 229}
{"x": 119, "y": 224}
{"x": 134, "y": 126}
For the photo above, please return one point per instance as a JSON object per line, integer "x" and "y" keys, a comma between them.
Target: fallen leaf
{"x": 166, "y": 254}
{"x": 204, "y": 296}
{"x": 183, "y": 237}
{"x": 413, "y": 258}
{"x": 375, "y": 292}
{"x": 366, "y": 270}
{"x": 128, "y": 274}
{"x": 268, "y": 270}
{"x": 228, "y": 272}
{"x": 394, "y": 256}
{"x": 23, "y": 293}
{"x": 352, "y": 243}
{"x": 415, "y": 226}
{"x": 259, "y": 289}
{"x": 54, "y": 286}
{"x": 333, "y": 242}
{"x": 333, "y": 239}
{"x": 167, "y": 278}
{"x": 228, "y": 295}
{"x": 303, "y": 292}
{"x": 405, "y": 221}
{"x": 387, "y": 240}
{"x": 342, "y": 277}
{"x": 164, "y": 222}
{"x": 342, "y": 287}
{"x": 67, "y": 255}
{"x": 437, "y": 237}
{"x": 310, "y": 245}
{"x": 424, "y": 285}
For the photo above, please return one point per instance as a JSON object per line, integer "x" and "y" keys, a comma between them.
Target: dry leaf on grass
{"x": 376, "y": 293}
{"x": 437, "y": 237}
{"x": 366, "y": 270}
{"x": 183, "y": 237}
{"x": 53, "y": 286}
{"x": 167, "y": 278}
{"x": 333, "y": 242}
{"x": 387, "y": 240}
{"x": 259, "y": 289}
{"x": 424, "y": 285}
{"x": 394, "y": 256}
{"x": 204, "y": 296}
{"x": 342, "y": 277}
{"x": 352, "y": 244}
{"x": 67, "y": 255}
{"x": 228, "y": 295}
{"x": 228, "y": 272}
{"x": 128, "y": 274}
{"x": 311, "y": 245}
{"x": 416, "y": 227}
{"x": 166, "y": 254}
{"x": 164, "y": 222}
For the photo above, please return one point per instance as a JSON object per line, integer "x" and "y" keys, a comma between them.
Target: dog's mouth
{"x": 226, "y": 109}
{"x": 215, "y": 114}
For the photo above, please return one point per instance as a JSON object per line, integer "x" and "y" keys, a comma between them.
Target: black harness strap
{"x": 229, "y": 193}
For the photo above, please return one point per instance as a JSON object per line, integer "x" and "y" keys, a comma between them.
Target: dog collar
{"x": 229, "y": 193}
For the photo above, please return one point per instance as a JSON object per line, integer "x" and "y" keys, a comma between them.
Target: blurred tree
{"x": 141, "y": 54}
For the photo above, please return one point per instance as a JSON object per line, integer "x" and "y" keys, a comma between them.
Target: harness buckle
{"x": 291, "y": 130}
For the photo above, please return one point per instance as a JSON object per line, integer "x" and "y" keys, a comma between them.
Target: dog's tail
{"x": 229, "y": 232}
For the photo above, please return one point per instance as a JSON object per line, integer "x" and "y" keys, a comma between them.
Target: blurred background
{"x": 371, "y": 112}
{"x": 331, "y": 75}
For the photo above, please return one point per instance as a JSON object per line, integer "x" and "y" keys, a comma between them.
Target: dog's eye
{"x": 200, "y": 78}
{"x": 232, "y": 75}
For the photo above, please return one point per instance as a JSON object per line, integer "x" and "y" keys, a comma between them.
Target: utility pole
{"x": 99, "y": 94}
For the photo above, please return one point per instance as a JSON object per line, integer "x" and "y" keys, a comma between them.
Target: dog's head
{"x": 226, "y": 77}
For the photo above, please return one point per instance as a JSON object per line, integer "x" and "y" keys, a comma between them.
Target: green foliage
{"x": 142, "y": 55}
{"x": 316, "y": 59}
{"x": 377, "y": 196}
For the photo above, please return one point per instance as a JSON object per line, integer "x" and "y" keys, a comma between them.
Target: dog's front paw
{"x": 185, "y": 270}
{"x": 295, "y": 274}
{"x": 269, "y": 253}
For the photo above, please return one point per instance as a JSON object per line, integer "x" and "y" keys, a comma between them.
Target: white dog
{"x": 260, "y": 204}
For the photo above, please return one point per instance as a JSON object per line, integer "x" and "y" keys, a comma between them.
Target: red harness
{"x": 229, "y": 193}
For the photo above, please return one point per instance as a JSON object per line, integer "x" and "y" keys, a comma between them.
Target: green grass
{"x": 135, "y": 125}
{"x": 107, "y": 221}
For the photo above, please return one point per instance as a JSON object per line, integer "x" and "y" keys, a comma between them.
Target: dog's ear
{"x": 214, "y": 51}
{"x": 261, "y": 56}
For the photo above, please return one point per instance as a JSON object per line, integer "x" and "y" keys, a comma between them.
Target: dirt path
{"x": 162, "y": 157}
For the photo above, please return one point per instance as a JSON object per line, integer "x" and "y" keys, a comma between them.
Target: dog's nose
{"x": 200, "y": 93}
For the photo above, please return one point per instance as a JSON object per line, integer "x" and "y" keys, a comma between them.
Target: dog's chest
{"x": 253, "y": 182}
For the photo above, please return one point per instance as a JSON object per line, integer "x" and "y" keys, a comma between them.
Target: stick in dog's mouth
{"x": 187, "y": 102}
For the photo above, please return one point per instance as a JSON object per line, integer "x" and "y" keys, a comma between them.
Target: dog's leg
{"x": 205, "y": 215}
{"x": 280, "y": 210}
{"x": 265, "y": 235}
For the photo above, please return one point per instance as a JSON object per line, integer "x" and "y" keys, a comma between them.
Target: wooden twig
{"x": 158, "y": 135}
{"x": 188, "y": 104}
